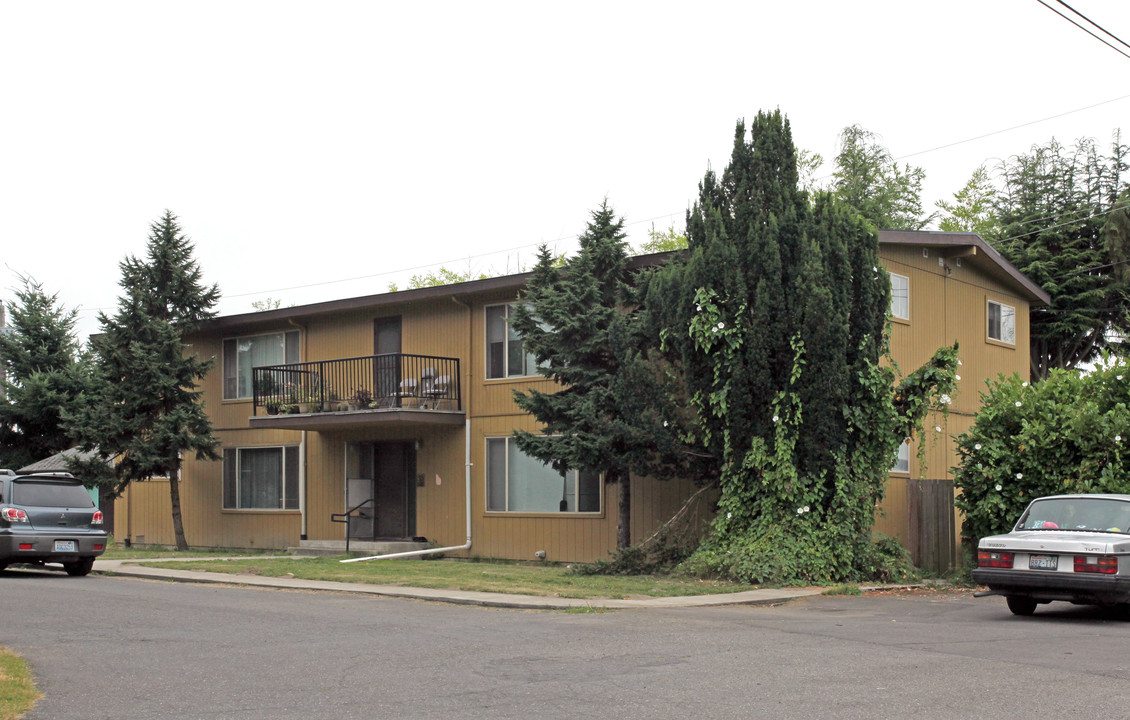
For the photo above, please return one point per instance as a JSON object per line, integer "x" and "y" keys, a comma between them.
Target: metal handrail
{"x": 389, "y": 381}
{"x": 344, "y": 518}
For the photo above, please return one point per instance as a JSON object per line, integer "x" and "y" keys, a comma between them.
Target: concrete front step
{"x": 356, "y": 547}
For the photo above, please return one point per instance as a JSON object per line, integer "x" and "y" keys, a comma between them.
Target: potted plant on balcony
{"x": 361, "y": 399}
{"x": 274, "y": 406}
{"x": 309, "y": 401}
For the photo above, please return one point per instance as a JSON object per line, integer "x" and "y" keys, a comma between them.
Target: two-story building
{"x": 396, "y": 410}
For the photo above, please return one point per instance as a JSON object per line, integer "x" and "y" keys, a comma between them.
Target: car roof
{"x": 1078, "y": 496}
{"x": 53, "y": 475}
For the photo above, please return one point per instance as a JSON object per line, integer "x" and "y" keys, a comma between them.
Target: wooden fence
{"x": 932, "y": 535}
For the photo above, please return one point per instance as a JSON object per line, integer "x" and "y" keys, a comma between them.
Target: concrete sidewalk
{"x": 128, "y": 568}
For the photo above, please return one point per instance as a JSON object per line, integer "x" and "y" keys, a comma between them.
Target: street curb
{"x": 126, "y": 568}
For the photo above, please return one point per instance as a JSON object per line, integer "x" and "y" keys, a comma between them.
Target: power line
{"x": 1100, "y": 27}
{"x": 1051, "y": 227}
{"x": 1104, "y": 42}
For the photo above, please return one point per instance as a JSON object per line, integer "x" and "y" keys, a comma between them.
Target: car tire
{"x": 79, "y": 568}
{"x": 1021, "y": 605}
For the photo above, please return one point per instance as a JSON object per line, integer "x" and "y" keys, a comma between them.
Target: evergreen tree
{"x": 146, "y": 411}
{"x": 776, "y": 323}
{"x": 607, "y": 414}
{"x": 868, "y": 179}
{"x": 41, "y": 376}
{"x": 1064, "y": 225}
{"x": 972, "y": 208}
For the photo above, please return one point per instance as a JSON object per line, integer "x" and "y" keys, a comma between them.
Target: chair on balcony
{"x": 408, "y": 387}
{"x": 435, "y": 390}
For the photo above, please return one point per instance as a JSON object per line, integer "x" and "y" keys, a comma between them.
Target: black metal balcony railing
{"x": 373, "y": 382}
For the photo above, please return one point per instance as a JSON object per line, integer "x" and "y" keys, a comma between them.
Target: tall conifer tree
{"x": 607, "y": 415}
{"x": 776, "y": 322}
{"x": 146, "y": 411}
{"x": 41, "y": 376}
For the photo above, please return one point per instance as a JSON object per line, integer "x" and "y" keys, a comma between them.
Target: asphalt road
{"x": 106, "y": 647}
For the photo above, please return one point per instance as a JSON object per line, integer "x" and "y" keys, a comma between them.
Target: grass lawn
{"x": 118, "y": 551}
{"x": 513, "y": 578}
{"x": 17, "y": 688}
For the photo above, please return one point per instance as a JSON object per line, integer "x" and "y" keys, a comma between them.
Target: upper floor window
{"x": 243, "y": 353}
{"x": 261, "y": 478}
{"x": 900, "y": 296}
{"x": 1002, "y": 322}
{"x": 505, "y": 355}
{"x": 517, "y": 482}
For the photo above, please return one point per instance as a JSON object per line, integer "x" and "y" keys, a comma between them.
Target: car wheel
{"x": 79, "y": 568}
{"x": 1021, "y": 605}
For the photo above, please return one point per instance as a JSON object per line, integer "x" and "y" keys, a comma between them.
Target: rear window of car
{"x": 1077, "y": 513}
{"x": 50, "y": 493}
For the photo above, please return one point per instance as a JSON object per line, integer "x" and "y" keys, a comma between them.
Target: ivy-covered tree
{"x": 607, "y": 414}
{"x": 145, "y": 410}
{"x": 41, "y": 376}
{"x": 1063, "y": 223}
{"x": 776, "y": 322}
{"x": 867, "y": 178}
{"x": 1067, "y": 434}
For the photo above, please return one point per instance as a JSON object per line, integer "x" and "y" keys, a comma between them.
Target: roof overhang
{"x": 970, "y": 248}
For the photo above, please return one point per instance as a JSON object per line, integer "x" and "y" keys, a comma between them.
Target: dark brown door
{"x": 386, "y": 346}
{"x": 395, "y": 465}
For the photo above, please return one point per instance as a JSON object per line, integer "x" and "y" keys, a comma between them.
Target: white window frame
{"x": 1005, "y": 321}
{"x": 905, "y": 315}
{"x": 529, "y": 362}
{"x": 289, "y": 338}
{"x": 237, "y": 476}
{"x": 576, "y": 499}
{"x": 902, "y": 462}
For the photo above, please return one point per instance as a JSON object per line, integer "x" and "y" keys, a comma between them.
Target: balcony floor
{"x": 351, "y": 419}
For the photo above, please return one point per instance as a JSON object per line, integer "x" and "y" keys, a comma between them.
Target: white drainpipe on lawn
{"x": 453, "y": 548}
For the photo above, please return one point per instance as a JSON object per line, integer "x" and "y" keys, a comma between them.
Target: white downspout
{"x": 453, "y": 548}
{"x": 302, "y": 482}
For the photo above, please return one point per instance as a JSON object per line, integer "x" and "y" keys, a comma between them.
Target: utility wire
{"x": 1100, "y": 27}
{"x": 1104, "y": 42}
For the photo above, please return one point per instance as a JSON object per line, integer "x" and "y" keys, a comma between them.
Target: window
{"x": 261, "y": 478}
{"x": 517, "y": 482}
{"x": 902, "y": 464}
{"x": 505, "y": 356}
{"x": 242, "y": 354}
{"x": 900, "y": 296}
{"x": 1002, "y": 322}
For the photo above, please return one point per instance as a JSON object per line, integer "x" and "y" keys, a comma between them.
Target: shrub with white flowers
{"x": 1062, "y": 435}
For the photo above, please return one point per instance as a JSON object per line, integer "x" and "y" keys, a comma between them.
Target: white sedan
{"x": 1074, "y": 548}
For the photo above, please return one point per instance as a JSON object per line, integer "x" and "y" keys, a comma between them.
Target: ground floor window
{"x": 519, "y": 483}
{"x": 262, "y": 478}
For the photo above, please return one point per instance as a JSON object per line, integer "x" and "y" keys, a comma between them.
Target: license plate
{"x": 64, "y": 546}
{"x": 1043, "y": 562}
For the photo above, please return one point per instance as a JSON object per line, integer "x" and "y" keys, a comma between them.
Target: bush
{"x": 1063, "y": 435}
{"x": 770, "y": 555}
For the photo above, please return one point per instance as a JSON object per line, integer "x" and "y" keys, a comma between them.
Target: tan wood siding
{"x": 947, "y": 303}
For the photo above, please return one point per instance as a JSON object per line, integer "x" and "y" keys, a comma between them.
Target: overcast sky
{"x": 315, "y": 151}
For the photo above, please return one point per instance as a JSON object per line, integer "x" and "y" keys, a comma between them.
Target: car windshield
{"x": 50, "y": 493}
{"x": 1092, "y": 514}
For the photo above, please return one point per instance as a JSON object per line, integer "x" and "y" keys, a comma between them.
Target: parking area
{"x": 107, "y": 647}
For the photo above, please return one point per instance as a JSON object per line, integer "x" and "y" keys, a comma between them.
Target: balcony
{"x": 356, "y": 392}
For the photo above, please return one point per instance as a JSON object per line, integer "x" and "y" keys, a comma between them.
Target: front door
{"x": 383, "y": 472}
